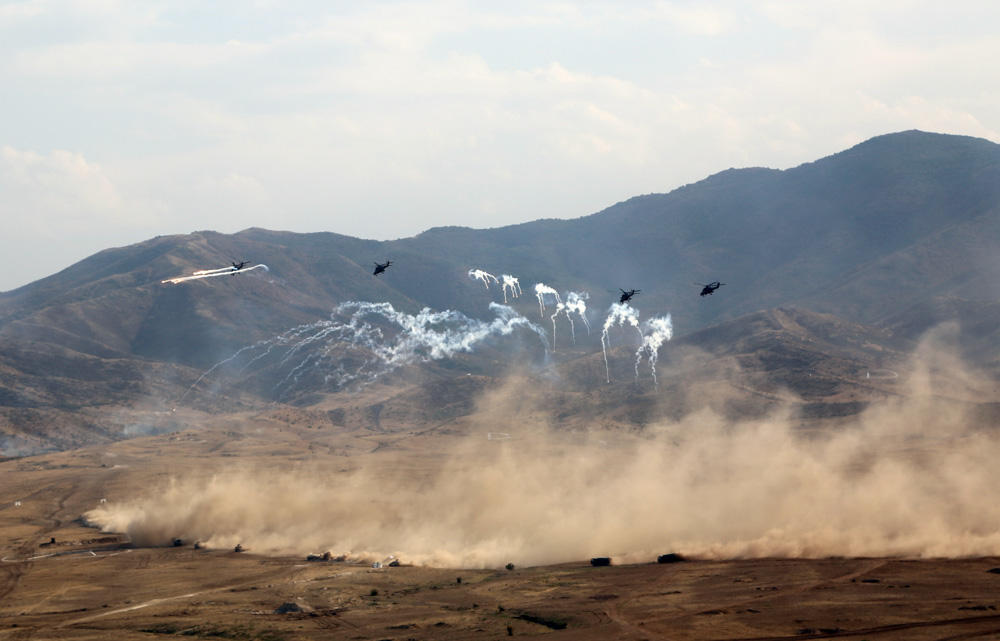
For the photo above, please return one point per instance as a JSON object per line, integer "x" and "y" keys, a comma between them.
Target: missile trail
{"x": 217, "y": 366}
{"x": 220, "y": 270}
{"x": 212, "y": 273}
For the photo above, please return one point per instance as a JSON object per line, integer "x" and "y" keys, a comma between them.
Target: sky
{"x": 121, "y": 120}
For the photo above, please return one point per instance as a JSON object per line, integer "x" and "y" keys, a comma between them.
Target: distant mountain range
{"x": 889, "y": 237}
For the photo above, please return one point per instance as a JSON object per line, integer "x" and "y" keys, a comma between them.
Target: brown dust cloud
{"x": 913, "y": 476}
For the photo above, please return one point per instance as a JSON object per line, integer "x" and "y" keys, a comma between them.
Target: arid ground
{"x": 93, "y": 585}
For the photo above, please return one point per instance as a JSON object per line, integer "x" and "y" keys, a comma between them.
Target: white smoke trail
{"x": 658, "y": 330}
{"x": 541, "y": 290}
{"x": 362, "y": 341}
{"x": 511, "y": 283}
{"x": 220, "y": 270}
{"x": 212, "y": 273}
{"x": 559, "y": 308}
{"x": 575, "y": 303}
{"x": 485, "y": 277}
{"x": 619, "y": 314}
{"x": 218, "y": 365}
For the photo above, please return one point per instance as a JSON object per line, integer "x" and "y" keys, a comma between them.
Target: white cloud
{"x": 60, "y": 207}
{"x": 60, "y": 186}
{"x": 698, "y": 19}
{"x": 109, "y": 59}
{"x": 387, "y": 118}
{"x": 16, "y": 11}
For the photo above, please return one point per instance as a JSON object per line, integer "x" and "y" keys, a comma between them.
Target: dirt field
{"x": 92, "y": 585}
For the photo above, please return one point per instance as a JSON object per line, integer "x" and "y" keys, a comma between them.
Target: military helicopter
{"x": 379, "y": 267}
{"x": 627, "y": 295}
{"x": 706, "y": 290}
{"x": 240, "y": 265}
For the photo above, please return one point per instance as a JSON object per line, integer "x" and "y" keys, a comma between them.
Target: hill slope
{"x": 870, "y": 235}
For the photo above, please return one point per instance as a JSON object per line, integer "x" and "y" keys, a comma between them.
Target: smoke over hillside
{"x": 914, "y": 476}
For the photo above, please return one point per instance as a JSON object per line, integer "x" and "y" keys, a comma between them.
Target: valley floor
{"x": 60, "y": 579}
{"x": 146, "y": 593}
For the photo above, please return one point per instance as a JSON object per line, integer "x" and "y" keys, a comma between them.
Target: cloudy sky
{"x": 124, "y": 119}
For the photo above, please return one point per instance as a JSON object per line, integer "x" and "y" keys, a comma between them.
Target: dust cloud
{"x": 914, "y": 476}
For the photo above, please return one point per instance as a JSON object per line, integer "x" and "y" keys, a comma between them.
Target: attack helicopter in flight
{"x": 240, "y": 265}
{"x": 380, "y": 267}
{"x": 627, "y": 295}
{"x": 706, "y": 290}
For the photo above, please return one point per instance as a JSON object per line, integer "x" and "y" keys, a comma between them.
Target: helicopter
{"x": 627, "y": 295}
{"x": 240, "y": 265}
{"x": 706, "y": 290}
{"x": 379, "y": 267}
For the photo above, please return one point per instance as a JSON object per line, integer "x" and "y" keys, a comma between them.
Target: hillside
{"x": 894, "y": 235}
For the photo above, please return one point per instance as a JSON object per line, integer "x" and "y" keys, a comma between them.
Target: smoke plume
{"x": 362, "y": 341}
{"x": 575, "y": 304}
{"x": 914, "y": 476}
{"x": 512, "y": 284}
{"x": 213, "y": 273}
{"x": 619, "y": 314}
{"x": 657, "y": 331}
{"x": 484, "y": 277}
{"x": 541, "y": 291}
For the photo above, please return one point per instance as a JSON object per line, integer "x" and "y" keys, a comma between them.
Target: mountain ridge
{"x": 864, "y": 234}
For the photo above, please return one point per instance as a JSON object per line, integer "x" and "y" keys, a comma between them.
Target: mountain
{"x": 977, "y": 325}
{"x": 893, "y": 235}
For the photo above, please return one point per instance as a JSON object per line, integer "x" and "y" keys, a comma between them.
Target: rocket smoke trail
{"x": 220, "y": 270}
{"x": 541, "y": 290}
{"x": 218, "y": 365}
{"x": 574, "y": 303}
{"x": 486, "y": 277}
{"x": 511, "y": 283}
{"x": 658, "y": 330}
{"x": 212, "y": 273}
{"x": 362, "y": 341}
{"x": 619, "y": 314}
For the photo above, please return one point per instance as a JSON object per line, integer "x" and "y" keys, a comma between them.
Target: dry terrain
{"x": 818, "y": 441}
{"x": 62, "y": 579}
